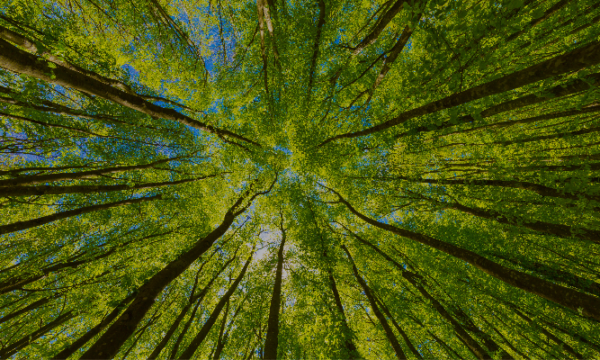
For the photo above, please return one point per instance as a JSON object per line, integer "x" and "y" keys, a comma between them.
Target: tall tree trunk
{"x": 86, "y": 189}
{"x": 188, "y": 353}
{"x": 28, "y": 224}
{"x": 419, "y": 283}
{"x": 400, "y": 330}
{"x": 386, "y": 327}
{"x": 574, "y": 300}
{"x": 18, "y": 61}
{"x": 577, "y": 59}
{"x": 28, "y": 339}
{"x": 488, "y": 342}
{"x": 220, "y": 340}
{"x": 548, "y": 334}
{"x": 315, "y": 56}
{"x": 349, "y": 345}
{"x": 109, "y": 343}
{"x": 90, "y": 174}
{"x": 381, "y": 24}
{"x": 272, "y": 339}
{"x": 77, "y": 344}
{"x": 184, "y": 331}
{"x": 539, "y": 189}
{"x": 33, "y": 306}
{"x": 551, "y": 273}
{"x": 559, "y": 230}
{"x": 193, "y": 298}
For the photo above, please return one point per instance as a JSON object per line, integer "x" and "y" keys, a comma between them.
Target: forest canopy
{"x": 319, "y": 179}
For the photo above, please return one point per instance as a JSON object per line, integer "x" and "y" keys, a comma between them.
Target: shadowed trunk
{"x": 272, "y": 339}
{"x": 419, "y": 283}
{"x": 577, "y": 59}
{"x": 586, "y": 304}
{"x": 18, "y": 61}
{"x": 90, "y": 174}
{"x": 28, "y": 339}
{"x": 193, "y": 298}
{"x": 85, "y": 189}
{"x": 77, "y": 344}
{"x": 197, "y": 341}
{"x": 28, "y": 224}
{"x": 108, "y": 345}
{"x": 386, "y": 328}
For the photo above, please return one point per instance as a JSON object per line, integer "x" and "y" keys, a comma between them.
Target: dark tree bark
{"x": 577, "y": 59}
{"x": 551, "y": 274}
{"x": 569, "y": 298}
{"x": 548, "y": 334}
{"x": 109, "y": 343}
{"x": 419, "y": 283}
{"x": 28, "y": 224}
{"x": 386, "y": 327}
{"x": 194, "y": 298}
{"x": 272, "y": 340}
{"x": 85, "y": 189}
{"x": 188, "y": 353}
{"x": 184, "y": 331}
{"x": 41, "y": 302}
{"x": 313, "y": 61}
{"x": 379, "y": 26}
{"x": 400, "y": 330}
{"x": 77, "y": 344}
{"x": 220, "y": 340}
{"x": 18, "y": 61}
{"x": 90, "y": 174}
{"x": 28, "y": 339}
{"x": 186, "y": 326}
{"x": 559, "y": 230}
{"x": 350, "y": 347}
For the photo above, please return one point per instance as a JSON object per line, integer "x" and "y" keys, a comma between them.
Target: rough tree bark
{"x": 109, "y": 343}
{"x": 574, "y": 60}
{"x": 586, "y": 304}
{"x": 188, "y": 353}
{"x": 272, "y": 340}
{"x": 28, "y": 224}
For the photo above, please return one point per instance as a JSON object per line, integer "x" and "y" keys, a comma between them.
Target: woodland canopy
{"x": 316, "y": 179}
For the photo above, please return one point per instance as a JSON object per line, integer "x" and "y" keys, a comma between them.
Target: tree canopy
{"x": 320, "y": 179}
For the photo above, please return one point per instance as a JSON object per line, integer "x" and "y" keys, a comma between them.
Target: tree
{"x": 299, "y": 179}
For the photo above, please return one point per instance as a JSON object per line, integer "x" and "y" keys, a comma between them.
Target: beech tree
{"x": 281, "y": 179}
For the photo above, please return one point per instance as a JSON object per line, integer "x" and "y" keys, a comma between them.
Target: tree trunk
{"x": 18, "y": 61}
{"x": 350, "y": 348}
{"x": 549, "y": 335}
{"x": 193, "y": 346}
{"x": 577, "y": 59}
{"x": 193, "y": 298}
{"x": 184, "y": 331}
{"x": 272, "y": 339}
{"x": 220, "y": 342}
{"x": 419, "y": 283}
{"x": 388, "y": 331}
{"x": 562, "y": 231}
{"x": 108, "y": 345}
{"x": 27, "y": 224}
{"x": 77, "y": 344}
{"x": 400, "y": 331}
{"x": 90, "y": 174}
{"x": 379, "y": 26}
{"x": 574, "y": 300}
{"x": 28, "y": 339}
{"x": 28, "y": 308}
{"x": 85, "y": 189}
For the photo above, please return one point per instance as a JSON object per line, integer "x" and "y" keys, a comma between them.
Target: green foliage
{"x": 503, "y": 184}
